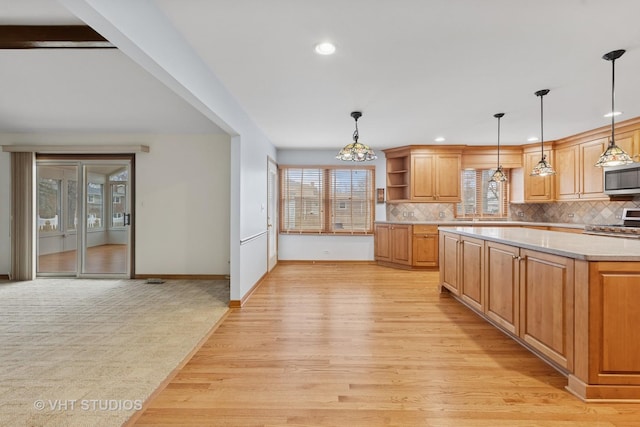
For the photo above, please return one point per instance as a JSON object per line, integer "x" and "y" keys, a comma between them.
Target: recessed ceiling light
{"x": 532, "y": 138}
{"x": 325, "y": 48}
{"x": 615, "y": 113}
{"x": 440, "y": 139}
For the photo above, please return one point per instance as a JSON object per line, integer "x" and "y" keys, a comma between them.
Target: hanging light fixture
{"x": 543, "y": 168}
{"x": 356, "y": 151}
{"x": 613, "y": 155}
{"x": 498, "y": 175}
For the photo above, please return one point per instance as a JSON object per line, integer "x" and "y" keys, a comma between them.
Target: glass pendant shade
{"x": 543, "y": 168}
{"x": 356, "y": 151}
{"x": 613, "y": 155}
{"x": 498, "y": 175}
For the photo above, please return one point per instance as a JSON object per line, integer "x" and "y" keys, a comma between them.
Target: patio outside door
{"x": 84, "y": 220}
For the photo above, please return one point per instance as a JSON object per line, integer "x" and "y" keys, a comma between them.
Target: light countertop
{"x": 485, "y": 223}
{"x": 572, "y": 245}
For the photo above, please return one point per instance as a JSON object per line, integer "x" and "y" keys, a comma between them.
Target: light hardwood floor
{"x": 100, "y": 259}
{"x": 363, "y": 345}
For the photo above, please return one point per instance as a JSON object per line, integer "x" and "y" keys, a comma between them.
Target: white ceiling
{"x": 417, "y": 69}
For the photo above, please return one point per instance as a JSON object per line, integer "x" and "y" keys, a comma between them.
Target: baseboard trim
{"x": 234, "y": 303}
{"x": 131, "y": 421}
{"x": 312, "y": 261}
{"x": 183, "y": 276}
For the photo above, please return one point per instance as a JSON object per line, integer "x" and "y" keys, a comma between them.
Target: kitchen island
{"x": 572, "y": 299}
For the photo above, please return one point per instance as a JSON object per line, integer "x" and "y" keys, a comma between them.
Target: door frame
{"x": 272, "y": 220}
{"x": 97, "y": 158}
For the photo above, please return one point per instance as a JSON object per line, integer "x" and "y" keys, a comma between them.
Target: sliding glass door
{"x": 84, "y": 218}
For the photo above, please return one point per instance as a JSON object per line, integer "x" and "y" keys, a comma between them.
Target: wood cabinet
{"x": 425, "y": 246}
{"x": 398, "y": 178}
{"x": 435, "y": 177}
{"x": 580, "y": 316}
{"x": 450, "y": 261}
{"x": 423, "y": 174}
{"x": 630, "y": 142}
{"x": 546, "y": 305}
{"x": 607, "y": 352}
{"x": 527, "y": 293}
{"x": 537, "y": 189}
{"x": 503, "y": 285}
{"x": 577, "y": 177}
{"x": 406, "y": 246}
{"x": 393, "y": 244}
{"x": 472, "y": 289}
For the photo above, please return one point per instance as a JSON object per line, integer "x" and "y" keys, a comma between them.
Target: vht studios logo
{"x": 88, "y": 405}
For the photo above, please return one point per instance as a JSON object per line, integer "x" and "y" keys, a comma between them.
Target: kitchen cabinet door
{"x": 449, "y": 261}
{"x": 425, "y": 246}
{"x": 472, "y": 272}
{"x": 537, "y": 188}
{"x": 435, "y": 177}
{"x": 383, "y": 242}
{"x": 592, "y": 177}
{"x": 546, "y": 311}
{"x": 577, "y": 177}
{"x": 502, "y": 280}
{"x": 400, "y": 238}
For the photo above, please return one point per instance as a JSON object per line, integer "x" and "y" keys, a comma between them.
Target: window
{"x": 327, "y": 200}
{"x": 118, "y": 185}
{"x": 49, "y": 204}
{"x": 481, "y": 198}
{"x": 95, "y": 193}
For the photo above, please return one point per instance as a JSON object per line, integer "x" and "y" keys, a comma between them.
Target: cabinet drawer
{"x": 425, "y": 229}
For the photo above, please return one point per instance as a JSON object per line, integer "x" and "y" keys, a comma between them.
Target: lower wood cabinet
{"x": 472, "y": 275}
{"x": 526, "y": 293}
{"x": 580, "y": 316}
{"x": 503, "y": 285}
{"x": 425, "y": 246}
{"x": 406, "y": 245}
{"x": 450, "y": 262}
{"x": 393, "y": 244}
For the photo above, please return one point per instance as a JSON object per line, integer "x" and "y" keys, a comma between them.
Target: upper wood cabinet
{"x": 435, "y": 177}
{"x": 537, "y": 189}
{"x": 423, "y": 174}
{"x": 630, "y": 142}
{"x": 577, "y": 177}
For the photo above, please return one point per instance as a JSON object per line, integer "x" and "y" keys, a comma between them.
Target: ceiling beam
{"x": 51, "y": 37}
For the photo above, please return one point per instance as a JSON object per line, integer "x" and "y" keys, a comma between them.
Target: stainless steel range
{"x": 630, "y": 226}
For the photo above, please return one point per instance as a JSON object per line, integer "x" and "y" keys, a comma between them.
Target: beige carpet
{"x": 90, "y": 352}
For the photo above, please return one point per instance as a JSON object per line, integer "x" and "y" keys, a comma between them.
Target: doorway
{"x": 84, "y": 221}
{"x": 272, "y": 214}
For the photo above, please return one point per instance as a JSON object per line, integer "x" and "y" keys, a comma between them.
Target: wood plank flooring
{"x": 363, "y": 345}
{"x": 110, "y": 258}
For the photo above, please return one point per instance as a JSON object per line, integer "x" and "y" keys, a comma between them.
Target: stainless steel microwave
{"x": 622, "y": 179}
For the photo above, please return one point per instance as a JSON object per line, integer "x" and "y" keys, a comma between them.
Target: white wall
{"x": 182, "y": 199}
{"x": 182, "y": 206}
{"x": 308, "y": 247}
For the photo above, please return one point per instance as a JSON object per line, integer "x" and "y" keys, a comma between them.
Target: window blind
{"x": 327, "y": 200}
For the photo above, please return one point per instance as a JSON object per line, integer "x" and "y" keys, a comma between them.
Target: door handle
{"x": 127, "y": 219}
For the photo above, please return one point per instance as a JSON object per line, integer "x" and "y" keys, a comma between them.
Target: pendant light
{"x": 498, "y": 175}
{"x": 356, "y": 151}
{"x": 613, "y": 155}
{"x": 543, "y": 168}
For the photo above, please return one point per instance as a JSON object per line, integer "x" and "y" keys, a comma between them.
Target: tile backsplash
{"x": 583, "y": 212}
{"x": 577, "y": 212}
